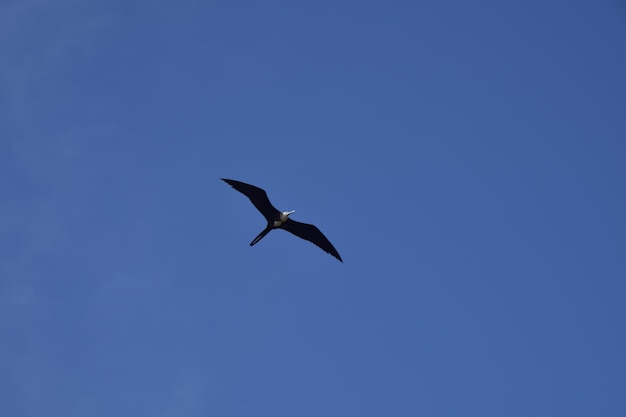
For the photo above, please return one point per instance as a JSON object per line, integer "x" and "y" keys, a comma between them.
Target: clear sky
{"x": 467, "y": 160}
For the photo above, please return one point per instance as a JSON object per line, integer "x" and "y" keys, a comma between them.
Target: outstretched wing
{"x": 258, "y": 198}
{"x": 312, "y": 234}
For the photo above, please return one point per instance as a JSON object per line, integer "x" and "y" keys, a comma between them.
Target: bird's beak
{"x": 289, "y": 212}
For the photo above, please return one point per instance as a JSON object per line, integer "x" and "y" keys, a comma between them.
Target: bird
{"x": 280, "y": 219}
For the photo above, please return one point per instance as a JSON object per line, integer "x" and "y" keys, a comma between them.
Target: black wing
{"x": 312, "y": 234}
{"x": 258, "y": 198}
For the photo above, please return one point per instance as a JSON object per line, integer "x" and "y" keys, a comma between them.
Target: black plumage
{"x": 280, "y": 220}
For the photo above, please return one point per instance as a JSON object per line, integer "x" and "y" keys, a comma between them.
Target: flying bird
{"x": 280, "y": 219}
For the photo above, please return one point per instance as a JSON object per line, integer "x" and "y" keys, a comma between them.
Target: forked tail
{"x": 260, "y": 236}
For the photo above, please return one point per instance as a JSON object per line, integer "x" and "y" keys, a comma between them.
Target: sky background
{"x": 467, "y": 160}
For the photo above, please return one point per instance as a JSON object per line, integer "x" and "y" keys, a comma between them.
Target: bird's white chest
{"x": 283, "y": 218}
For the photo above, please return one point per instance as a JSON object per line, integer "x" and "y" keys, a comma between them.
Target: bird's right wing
{"x": 258, "y": 197}
{"x": 312, "y": 234}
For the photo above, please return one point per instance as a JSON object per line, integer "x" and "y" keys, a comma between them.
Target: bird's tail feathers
{"x": 260, "y": 236}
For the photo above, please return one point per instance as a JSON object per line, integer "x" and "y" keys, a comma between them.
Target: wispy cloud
{"x": 39, "y": 39}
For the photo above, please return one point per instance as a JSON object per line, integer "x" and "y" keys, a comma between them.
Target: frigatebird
{"x": 280, "y": 219}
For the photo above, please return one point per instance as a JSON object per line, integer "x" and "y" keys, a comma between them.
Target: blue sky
{"x": 465, "y": 158}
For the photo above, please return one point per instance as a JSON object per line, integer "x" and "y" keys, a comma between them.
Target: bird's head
{"x": 285, "y": 214}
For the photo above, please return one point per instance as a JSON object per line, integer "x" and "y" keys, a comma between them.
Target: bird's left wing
{"x": 312, "y": 234}
{"x": 257, "y": 196}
